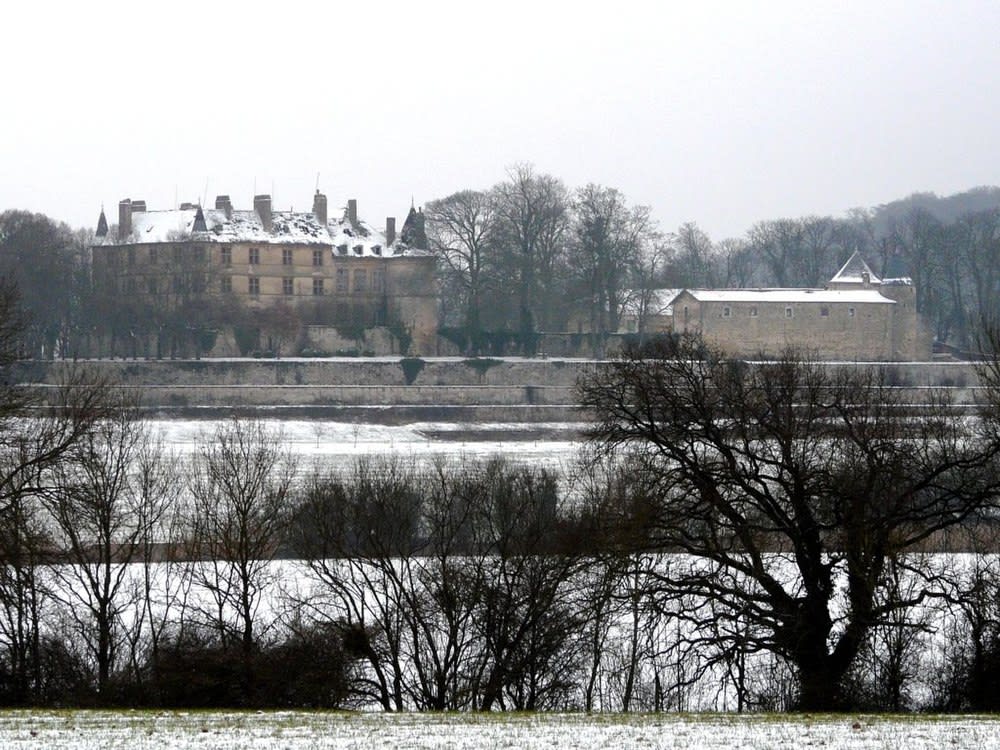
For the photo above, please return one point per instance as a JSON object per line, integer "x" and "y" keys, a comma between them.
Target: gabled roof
{"x": 852, "y": 272}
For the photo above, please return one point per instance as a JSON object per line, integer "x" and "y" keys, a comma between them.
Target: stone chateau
{"x": 334, "y": 273}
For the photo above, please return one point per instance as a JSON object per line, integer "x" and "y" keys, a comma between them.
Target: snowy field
{"x": 337, "y": 444}
{"x": 102, "y": 730}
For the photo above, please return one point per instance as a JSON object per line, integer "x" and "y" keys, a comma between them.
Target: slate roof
{"x": 287, "y": 227}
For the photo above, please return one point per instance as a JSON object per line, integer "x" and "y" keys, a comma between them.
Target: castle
{"x": 187, "y": 264}
{"x": 857, "y": 317}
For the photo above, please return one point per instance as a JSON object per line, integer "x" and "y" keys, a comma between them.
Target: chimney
{"x": 138, "y": 207}
{"x": 390, "y": 230}
{"x": 319, "y": 207}
{"x": 124, "y": 219}
{"x": 352, "y": 211}
{"x": 262, "y": 205}
{"x": 223, "y": 203}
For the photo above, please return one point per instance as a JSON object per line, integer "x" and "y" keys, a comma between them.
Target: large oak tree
{"x": 790, "y": 486}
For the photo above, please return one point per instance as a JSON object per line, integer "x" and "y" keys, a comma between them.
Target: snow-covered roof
{"x": 854, "y": 272}
{"x": 287, "y": 227}
{"x": 825, "y": 296}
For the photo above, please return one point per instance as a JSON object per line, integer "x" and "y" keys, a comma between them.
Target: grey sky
{"x": 718, "y": 113}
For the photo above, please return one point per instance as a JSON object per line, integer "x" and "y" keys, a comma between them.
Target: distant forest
{"x": 532, "y": 255}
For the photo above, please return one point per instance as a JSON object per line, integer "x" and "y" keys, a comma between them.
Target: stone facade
{"x": 857, "y": 317}
{"x": 339, "y": 273}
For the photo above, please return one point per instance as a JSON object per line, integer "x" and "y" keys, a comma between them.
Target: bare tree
{"x": 104, "y": 519}
{"x": 693, "y": 257}
{"x": 611, "y": 241}
{"x": 42, "y": 257}
{"x": 240, "y": 488}
{"x": 451, "y": 584}
{"x": 461, "y": 230}
{"x": 39, "y": 430}
{"x": 533, "y": 213}
{"x": 792, "y": 487}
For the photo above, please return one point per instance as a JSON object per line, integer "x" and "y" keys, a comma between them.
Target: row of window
{"x": 318, "y": 285}
{"x": 178, "y": 285}
{"x": 824, "y": 312}
{"x": 253, "y": 256}
{"x": 178, "y": 253}
{"x": 197, "y": 254}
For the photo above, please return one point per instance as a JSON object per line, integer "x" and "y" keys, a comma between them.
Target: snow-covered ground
{"x": 334, "y": 444}
{"x": 104, "y": 730}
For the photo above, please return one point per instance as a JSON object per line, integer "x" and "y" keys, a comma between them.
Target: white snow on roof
{"x": 287, "y": 227}
{"x": 825, "y": 296}
{"x": 853, "y": 272}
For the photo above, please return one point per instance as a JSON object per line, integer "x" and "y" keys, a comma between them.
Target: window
{"x": 287, "y": 286}
{"x": 318, "y": 287}
{"x": 687, "y": 313}
{"x": 226, "y": 285}
{"x": 753, "y": 312}
{"x": 131, "y": 256}
{"x": 286, "y": 256}
{"x": 227, "y": 256}
{"x": 151, "y": 286}
{"x": 824, "y": 312}
{"x": 360, "y": 280}
{"x": 317, "y": 257}
{"x": 130, "y": 285}
{"x": 254, "y": 286}
{"x": 378, "y": 280}
{"x": 254, "y": 258}
{"x": 850, "y": 312}
{"x": 177, "y": 284}
{"x": 199, "y": 254}
{"x": 152, "y": 256}
{"x": 788, "y": 312}
{"x": 178, "y": 253}
{"x": 341, "y": 280}
{"x": 727, "y": 312}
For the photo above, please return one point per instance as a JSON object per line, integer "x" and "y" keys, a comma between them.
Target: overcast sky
{"x": 717, "y": 113}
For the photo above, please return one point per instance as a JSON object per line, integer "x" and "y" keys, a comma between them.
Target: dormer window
{"x": 342, "y": 249}
{"x": 377, "y": 249}
{"x": 359, "y": 249}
